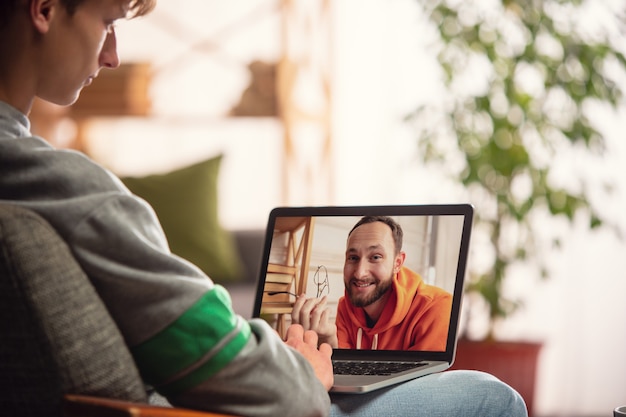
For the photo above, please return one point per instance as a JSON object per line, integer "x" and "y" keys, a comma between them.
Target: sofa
{"x": 186, "y": 201}
{"x": 249, "y": 244}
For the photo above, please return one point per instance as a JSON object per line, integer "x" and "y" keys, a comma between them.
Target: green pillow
{"x": 185, "y": 201}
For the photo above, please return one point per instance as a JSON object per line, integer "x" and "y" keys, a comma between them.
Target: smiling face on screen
{"x": 371, "y": 264}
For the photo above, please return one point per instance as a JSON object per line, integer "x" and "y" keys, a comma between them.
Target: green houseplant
{"x": 536, "y": 76}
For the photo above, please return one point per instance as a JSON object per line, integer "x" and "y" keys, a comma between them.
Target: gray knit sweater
{"x": 180, "y": 327}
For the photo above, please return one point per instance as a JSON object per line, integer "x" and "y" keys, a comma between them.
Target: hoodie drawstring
{"x": 359, "y": 338}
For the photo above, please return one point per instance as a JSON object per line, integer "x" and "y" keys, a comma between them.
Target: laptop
{"x": 305, "y": 251}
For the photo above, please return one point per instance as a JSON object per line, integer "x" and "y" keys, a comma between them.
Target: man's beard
{"x": 379, "y": 291}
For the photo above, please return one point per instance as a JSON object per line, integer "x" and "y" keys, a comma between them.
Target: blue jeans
{"x": 449, "y": 394}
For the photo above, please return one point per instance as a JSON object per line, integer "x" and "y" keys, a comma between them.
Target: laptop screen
{"x": 311, "y": 251}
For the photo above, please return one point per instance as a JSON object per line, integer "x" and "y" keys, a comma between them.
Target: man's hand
{"x": 305, "y": 342}
{"x": 313, "y": 314}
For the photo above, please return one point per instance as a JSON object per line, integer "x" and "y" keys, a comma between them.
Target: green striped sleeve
{"x": 202, "y": 341}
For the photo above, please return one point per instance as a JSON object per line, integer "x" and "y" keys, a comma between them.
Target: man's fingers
{"x": 317, "y": 310}
{"x": 306, "y": 312}
{"x": 310, "y": 338}
{"x": 325, "y": 316}
{"x": 326, "y": 349}
{"x": 295, "y": 332}
{"x": 297, "y": 307}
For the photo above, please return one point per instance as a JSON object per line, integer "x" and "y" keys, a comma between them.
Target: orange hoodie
{"x": 416, "y": 317}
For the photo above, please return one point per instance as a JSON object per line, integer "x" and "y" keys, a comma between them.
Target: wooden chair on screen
{"x": 288, "y": 269}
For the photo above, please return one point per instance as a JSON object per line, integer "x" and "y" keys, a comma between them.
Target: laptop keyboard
{"x": 372, "y": 368}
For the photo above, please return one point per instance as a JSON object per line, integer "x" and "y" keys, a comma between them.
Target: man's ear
{"x": 399, "y": 261}
{"x": 42, "y": 12}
